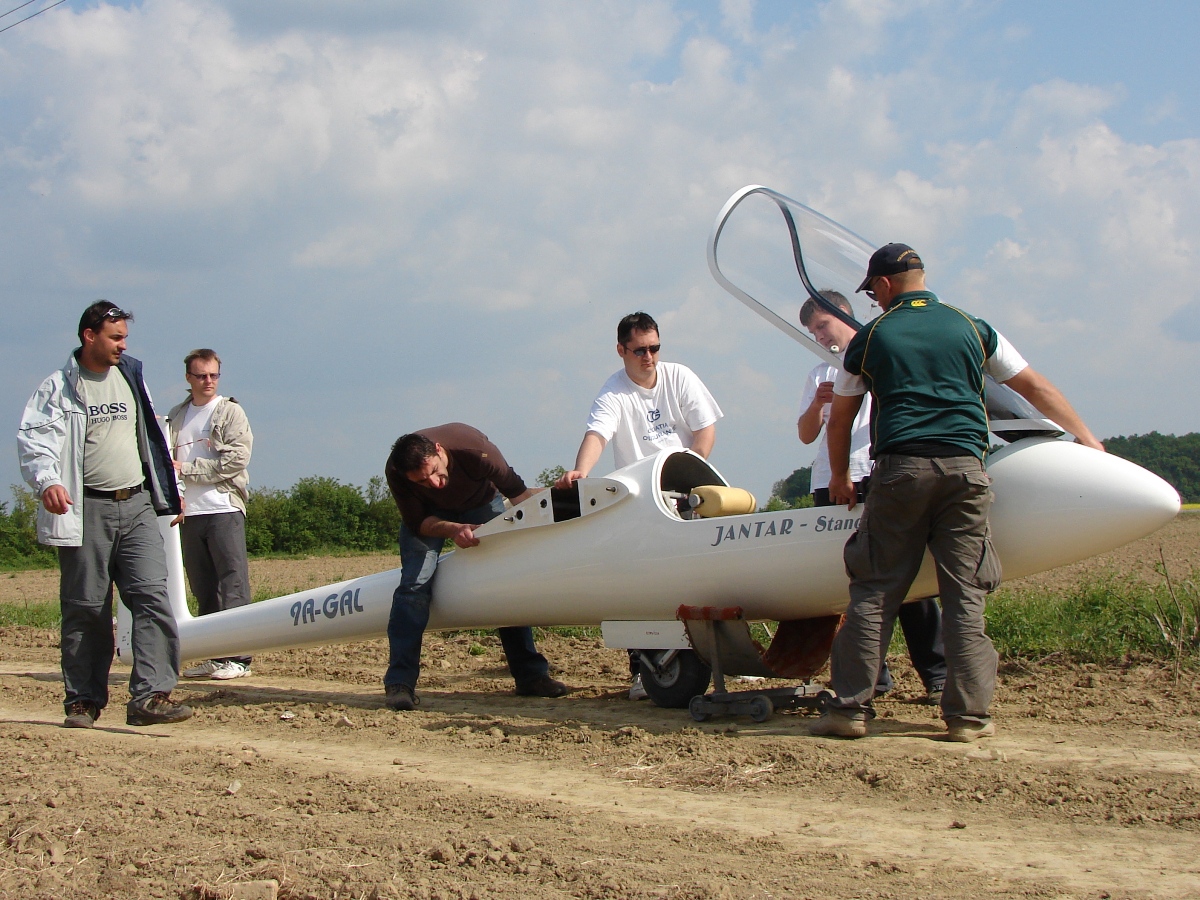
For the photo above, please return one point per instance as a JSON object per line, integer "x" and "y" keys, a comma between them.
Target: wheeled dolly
{"x": 759, "y": 705}
{"x": 721, "y": 638}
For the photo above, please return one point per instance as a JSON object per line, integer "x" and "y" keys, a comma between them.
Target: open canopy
{"x": 774, "y": 253}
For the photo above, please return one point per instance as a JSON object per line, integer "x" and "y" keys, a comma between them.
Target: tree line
{"x": 315, "y": 515}
{"x": 1176, "y": 460}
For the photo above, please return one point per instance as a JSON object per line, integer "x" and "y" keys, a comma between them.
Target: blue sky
{"x": 386, "y": 215}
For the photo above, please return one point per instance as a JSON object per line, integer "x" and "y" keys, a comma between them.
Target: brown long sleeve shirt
{"x": 477, "y": 469}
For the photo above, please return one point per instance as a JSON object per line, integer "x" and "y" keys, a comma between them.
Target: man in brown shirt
{"x": 446, "y": 481}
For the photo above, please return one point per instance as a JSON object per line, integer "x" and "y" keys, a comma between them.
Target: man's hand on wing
{"x": 569, "y": 478}
{"x": 463, "y": 535}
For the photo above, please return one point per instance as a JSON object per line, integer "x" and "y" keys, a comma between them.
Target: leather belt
{"x": 121, "y": 494}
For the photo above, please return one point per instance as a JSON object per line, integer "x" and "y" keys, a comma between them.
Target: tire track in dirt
{"x": 1083, "y": 858}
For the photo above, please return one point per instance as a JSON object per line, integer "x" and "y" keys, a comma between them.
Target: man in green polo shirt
{"x": 923, "y": 363}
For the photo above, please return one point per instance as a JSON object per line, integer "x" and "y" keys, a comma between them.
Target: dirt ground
{"x": 1090, "y": 789}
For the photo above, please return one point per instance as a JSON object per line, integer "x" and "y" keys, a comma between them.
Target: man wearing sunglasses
{"x": 211, "y": 442}
{"x": 91, "y": 448}
{"x": 644, "y": 407}
{"x": 923, "y": 363}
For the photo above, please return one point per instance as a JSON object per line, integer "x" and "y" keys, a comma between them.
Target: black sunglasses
{"x": 642, "y": 351}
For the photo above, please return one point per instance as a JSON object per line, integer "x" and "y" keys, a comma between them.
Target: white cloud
{"x": 441, "y": 210}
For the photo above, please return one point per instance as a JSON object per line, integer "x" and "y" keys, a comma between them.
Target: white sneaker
{"x": 227, "y": 670}
{"x": 201, "y": 670}
{"x": 637, "y": 690}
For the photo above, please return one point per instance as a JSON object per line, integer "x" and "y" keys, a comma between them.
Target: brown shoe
{"x": 81, "y": 714}
{"x": 157, "y": 709}
{"x": 964, "y": 731}
{"x": 835, "y": 723}
{"x": 542, "y": 687}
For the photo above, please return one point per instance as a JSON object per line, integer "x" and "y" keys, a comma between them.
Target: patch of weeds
{"x": 591, "y": 632}
{"x": 31, "y": 615}
{"x": 1104, "y": 620}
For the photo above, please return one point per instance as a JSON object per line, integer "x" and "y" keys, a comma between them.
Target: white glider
{"x": 629, "y": 553}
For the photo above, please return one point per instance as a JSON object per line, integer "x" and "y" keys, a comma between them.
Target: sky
{"x": 386, "y": 215}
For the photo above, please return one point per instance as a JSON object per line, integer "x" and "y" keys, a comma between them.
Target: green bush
{"x": 319, "y": 514}
{"x": 793, "y": 492}
{"x": 19, "y": 548}
{"x": 1174, "y": 459}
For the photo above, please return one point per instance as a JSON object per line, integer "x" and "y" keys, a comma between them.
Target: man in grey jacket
{"x": 91, "y": 448}
{"x": 211, "y": 443}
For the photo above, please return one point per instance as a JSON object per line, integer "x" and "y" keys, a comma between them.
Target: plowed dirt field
{"x": 1090, "y": 789}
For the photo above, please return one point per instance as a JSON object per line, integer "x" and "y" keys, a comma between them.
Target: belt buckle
{"x": 123, "y": 493}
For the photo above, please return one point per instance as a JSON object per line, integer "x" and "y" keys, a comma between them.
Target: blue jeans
{"x": 410, "y": 606}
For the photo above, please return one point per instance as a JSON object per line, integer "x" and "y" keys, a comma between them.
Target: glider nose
{"x": 1058, "y": 502}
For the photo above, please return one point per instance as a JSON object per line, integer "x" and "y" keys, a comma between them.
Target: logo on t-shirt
{"x": 99, "y": 414}
{"x": 653, "y": 416}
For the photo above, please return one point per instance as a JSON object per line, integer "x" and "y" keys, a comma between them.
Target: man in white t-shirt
{"x": 920, "y": 620}
{"x": 644, "y": 407}
{"x": 211, "y": 444}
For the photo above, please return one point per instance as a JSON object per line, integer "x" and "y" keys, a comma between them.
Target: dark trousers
{"x": 410, "y": 606}
{"x": 214, "y": 557}
{"x": 921, "y": 622}
{"x": 121, "y": 545}
{"x": 916, "y": 504}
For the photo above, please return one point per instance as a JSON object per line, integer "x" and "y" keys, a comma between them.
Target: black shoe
{"x": 81, "y": 714}
{"x": 543, "y": 686}
{"x": 934, "y": 697}
{"x": 157, "y": 709}
{"x": 400, "y": 697}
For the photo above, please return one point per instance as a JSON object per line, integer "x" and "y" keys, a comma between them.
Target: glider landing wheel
{"x": 673, "y": 685}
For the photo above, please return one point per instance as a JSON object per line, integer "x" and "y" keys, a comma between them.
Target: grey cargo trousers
{"x": 122, "y": 545}
{"x": 915, "y": 503}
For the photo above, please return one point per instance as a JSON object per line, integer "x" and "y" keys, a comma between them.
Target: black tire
{"x": 674, "y": 685}
{"x": 696, "y": 708}
{"x": 761, "y": 708}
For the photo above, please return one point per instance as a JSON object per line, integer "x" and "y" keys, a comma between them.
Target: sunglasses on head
{"x": 642, "y": 351}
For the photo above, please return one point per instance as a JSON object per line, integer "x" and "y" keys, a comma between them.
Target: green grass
{"x": 30, "y": 615}
{"x": 1108, "y": 620}
{"x": 14, "y": 563}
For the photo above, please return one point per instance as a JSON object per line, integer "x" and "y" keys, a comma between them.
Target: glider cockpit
{"x": 758, "y": 261}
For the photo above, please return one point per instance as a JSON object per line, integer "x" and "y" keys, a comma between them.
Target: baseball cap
{"x": 890, "y": 259}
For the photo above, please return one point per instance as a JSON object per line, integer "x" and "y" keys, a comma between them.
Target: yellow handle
{"x": 712, "y": 500}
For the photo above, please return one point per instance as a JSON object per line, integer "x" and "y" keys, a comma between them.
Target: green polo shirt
{"x": 923, "y": 364}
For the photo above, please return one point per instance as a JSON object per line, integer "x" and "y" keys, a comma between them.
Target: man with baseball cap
{"x": 923, "y": 363}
